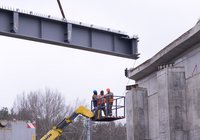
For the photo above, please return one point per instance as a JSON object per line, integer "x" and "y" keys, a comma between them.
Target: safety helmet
{"x": 108, "y": 89}
{"x": 94, "y": 91}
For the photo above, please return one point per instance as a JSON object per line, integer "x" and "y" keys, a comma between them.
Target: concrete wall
{"x": 166, "y": 104}
{"x": 172, "y": 104}
{"x": 16, "y": 130}
{"x": 193, "y": 107}
{"x": 137, "y": 114}
{"x": 191, "y": 62}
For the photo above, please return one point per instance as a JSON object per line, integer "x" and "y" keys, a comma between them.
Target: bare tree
{"x": 46, "y": 108}
{"x": 109, "y": 131}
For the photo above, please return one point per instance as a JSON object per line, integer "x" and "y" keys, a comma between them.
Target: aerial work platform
{"x": 108, "y": 118}
{"x": 118, "y": 110}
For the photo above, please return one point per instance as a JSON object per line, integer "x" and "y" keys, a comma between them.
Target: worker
{"x": 101, "y": 104}
{"x": 103, "y": 101}
{"x": 109, "y": 101}
{"x": 98, "y": 112}
{"x": 94, "y": 102}
{"x": 94, "y": 98}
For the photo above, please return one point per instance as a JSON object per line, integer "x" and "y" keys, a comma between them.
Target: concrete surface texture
{"x": 17, "y": 130}
{"x": 169, "y": 86}
{"x": 137, "y": 113}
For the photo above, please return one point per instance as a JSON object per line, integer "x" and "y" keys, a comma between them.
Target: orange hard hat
{"x": 108, "y": 89}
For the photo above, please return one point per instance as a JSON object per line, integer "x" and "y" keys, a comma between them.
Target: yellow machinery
{"x": 56, "y": 131}
{"x": 59, "y": 128}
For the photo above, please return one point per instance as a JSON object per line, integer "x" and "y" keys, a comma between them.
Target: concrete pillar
{"x": 172, "y": 104}
{"x": 137, "y": 114}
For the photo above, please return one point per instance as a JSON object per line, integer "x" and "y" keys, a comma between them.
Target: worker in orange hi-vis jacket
{"x": 109, "y": 101}
{"x": 103, "y": 102}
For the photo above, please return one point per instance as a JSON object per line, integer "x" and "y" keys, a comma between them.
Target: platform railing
{"x": 118, "y": 109}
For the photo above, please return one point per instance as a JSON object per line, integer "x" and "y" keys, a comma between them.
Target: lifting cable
{"x": 61, "y": 9}
{"x": 127, "y": 82}
{"x": 129, "y": 79}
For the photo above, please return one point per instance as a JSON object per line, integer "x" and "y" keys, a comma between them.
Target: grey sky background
{"x": 28, "y": 66}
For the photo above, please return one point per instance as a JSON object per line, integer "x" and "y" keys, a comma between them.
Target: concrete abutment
{"x": 168, "y": 105}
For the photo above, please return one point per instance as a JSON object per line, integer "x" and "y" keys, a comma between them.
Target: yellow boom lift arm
{"x": 56, "y": 131}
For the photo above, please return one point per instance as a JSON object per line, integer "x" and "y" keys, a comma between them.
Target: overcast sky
{"x": 28, "y": 66}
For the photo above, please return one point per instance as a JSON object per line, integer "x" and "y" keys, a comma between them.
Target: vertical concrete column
{"x": 137, "y": 114}
{"x": 172, "y": 103}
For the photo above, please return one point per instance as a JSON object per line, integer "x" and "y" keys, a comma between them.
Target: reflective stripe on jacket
{"x": 110, "y": 97}
{"x": 101, "y": 100}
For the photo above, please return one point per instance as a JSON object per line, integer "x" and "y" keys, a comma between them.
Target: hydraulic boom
{"x": 59, "y": 128}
